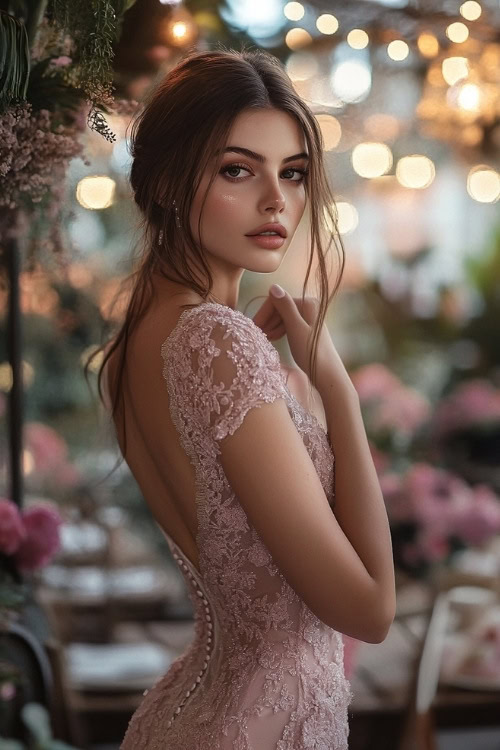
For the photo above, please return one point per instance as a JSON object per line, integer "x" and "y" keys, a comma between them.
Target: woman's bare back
{"x": 154, "y": 454}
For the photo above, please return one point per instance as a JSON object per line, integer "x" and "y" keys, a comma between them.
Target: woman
{"x": 278, "y": 563}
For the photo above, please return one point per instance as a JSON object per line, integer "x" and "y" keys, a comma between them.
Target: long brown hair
{"x": 179, "y": 126}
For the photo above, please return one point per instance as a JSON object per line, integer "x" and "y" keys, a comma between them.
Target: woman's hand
{"x": 289, "y": 315}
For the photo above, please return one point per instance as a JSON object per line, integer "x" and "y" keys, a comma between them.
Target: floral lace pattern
{"x": 263, "y": 672}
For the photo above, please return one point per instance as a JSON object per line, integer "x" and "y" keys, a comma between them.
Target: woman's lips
{"x": 268, "y": 241}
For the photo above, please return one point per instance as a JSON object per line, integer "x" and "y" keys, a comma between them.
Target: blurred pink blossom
{"x": 432, "y": 546}
{"x": 404, "y": 409}
{"x": 42, "y": 539}
{"x": 47, "y": 448}
{"x": 12, "y": 530}
{"x": 374, "y": 381}
{"x": 435, "y": 496}
{"x": 62, "y": 60}
{"x": 476, "y": 522}
{"x": 472, "y": 402}
{"x": 441, "y": 505}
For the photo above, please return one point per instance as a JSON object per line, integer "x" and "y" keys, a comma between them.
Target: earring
{"x": 177, "y": 220}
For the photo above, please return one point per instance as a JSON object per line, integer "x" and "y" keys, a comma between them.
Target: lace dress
{"x": 263, "y": 672}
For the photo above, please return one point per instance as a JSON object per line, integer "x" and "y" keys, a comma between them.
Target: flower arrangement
{"x": 433, "y": 511}
{"x": 29, "y": 539}
{"x": 55, "y": 61}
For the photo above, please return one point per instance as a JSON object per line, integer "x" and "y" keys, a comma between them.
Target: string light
{"x": 398, "y": 49}
{"x": 427, "y": 44}
{"x": 96, "y": 192}
{"x": 331, "y": 130}
{"x": 297, "y": 38}
{"x": 371, "y": 159}
{"x": 327, "y": 24}
{"x": 483, "y": 184}
{"x": 357, "y": 39}
{"x": 457, "y": 32}
{"x": 470, "y": 10}
{"x": 415, "y": 171}
{"x": 454, "y": 68}
{"x": 294, "y": 11}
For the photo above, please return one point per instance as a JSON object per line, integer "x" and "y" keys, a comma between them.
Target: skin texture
{"x": 248, "y": 195}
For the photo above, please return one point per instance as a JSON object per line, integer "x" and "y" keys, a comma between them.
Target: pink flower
{"x": 12, "y": 530}
{"x": 435, "y": 496}
{"x": 42, "y": 539}
{"x": 472, "y": 402}
{"x": 374, "y": 381}
{"x": 433, "y": 546}
{"x": 479, "y": 520}
{"x": 62, "y": 60}
{"x": 404, "y": 409}
{"x": 46, "y": 446}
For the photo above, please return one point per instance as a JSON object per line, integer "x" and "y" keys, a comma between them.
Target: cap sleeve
{"x": 218, "y": 365}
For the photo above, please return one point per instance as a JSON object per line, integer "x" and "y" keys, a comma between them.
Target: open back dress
{"x": 263, "y": 672}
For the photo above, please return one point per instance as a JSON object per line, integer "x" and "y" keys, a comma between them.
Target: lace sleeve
{"x": 221, "y": 365}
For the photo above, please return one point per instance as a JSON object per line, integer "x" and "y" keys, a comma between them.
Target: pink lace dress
{"x": 263, "y": 672}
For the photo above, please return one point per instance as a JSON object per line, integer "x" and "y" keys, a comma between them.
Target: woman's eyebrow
{"x": 259, "y": 157}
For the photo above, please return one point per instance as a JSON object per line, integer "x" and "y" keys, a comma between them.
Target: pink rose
{"x": 374, "y": 381}
{"x": 42, "y": 539}
{"x": 12, "y": 530}
{"x": 479, "y": 520}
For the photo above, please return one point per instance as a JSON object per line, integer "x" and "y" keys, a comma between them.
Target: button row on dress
{"x": 209, "y": 639}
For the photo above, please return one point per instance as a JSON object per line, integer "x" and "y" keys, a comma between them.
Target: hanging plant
{"x": 54, "y": 62}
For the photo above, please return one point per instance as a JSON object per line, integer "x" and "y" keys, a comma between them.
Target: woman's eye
{"x": 233, "y": 167}
{"x": 238, "y": 167}
{"x": 301, "y": 173}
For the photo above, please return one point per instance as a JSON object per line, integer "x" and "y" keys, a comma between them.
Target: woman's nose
{"x": 276, "y": 201}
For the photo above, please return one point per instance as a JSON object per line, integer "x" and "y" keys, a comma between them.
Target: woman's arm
{"x": 359, "y": 504}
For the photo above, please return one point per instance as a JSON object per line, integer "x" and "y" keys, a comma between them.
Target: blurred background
{"x": 407, "y": 95}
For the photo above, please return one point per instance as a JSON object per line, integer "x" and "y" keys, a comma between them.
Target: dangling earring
{"x": 160, "y": 237}
{"x": 177, "y": 220}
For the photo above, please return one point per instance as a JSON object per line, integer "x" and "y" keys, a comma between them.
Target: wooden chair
{"x": 433, "y": 707}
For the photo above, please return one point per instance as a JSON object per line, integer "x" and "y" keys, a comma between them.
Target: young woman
{"x": 238, "y": 471}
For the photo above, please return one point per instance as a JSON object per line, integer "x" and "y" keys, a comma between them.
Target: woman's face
{"x": 252, "y": 189}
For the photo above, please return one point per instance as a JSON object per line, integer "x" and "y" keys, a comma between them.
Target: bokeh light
{"x": 297, "y": 38}
{"x": 330, "y": 129}
{"x": 371, "y": 159}
{"x": 470, "y": 10}
{"x": 351, "y": 80}
{"x": 294, "y": 11}
{"x": 357, "y": 39}
{"x": 415, "y": 171}
{"x": 398, "y": 50}
{"x": 327, "y": 23}
{"x": 483, "y": 184}
{"x": 96, "y": 192}
{"x": 457, "y": 32}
